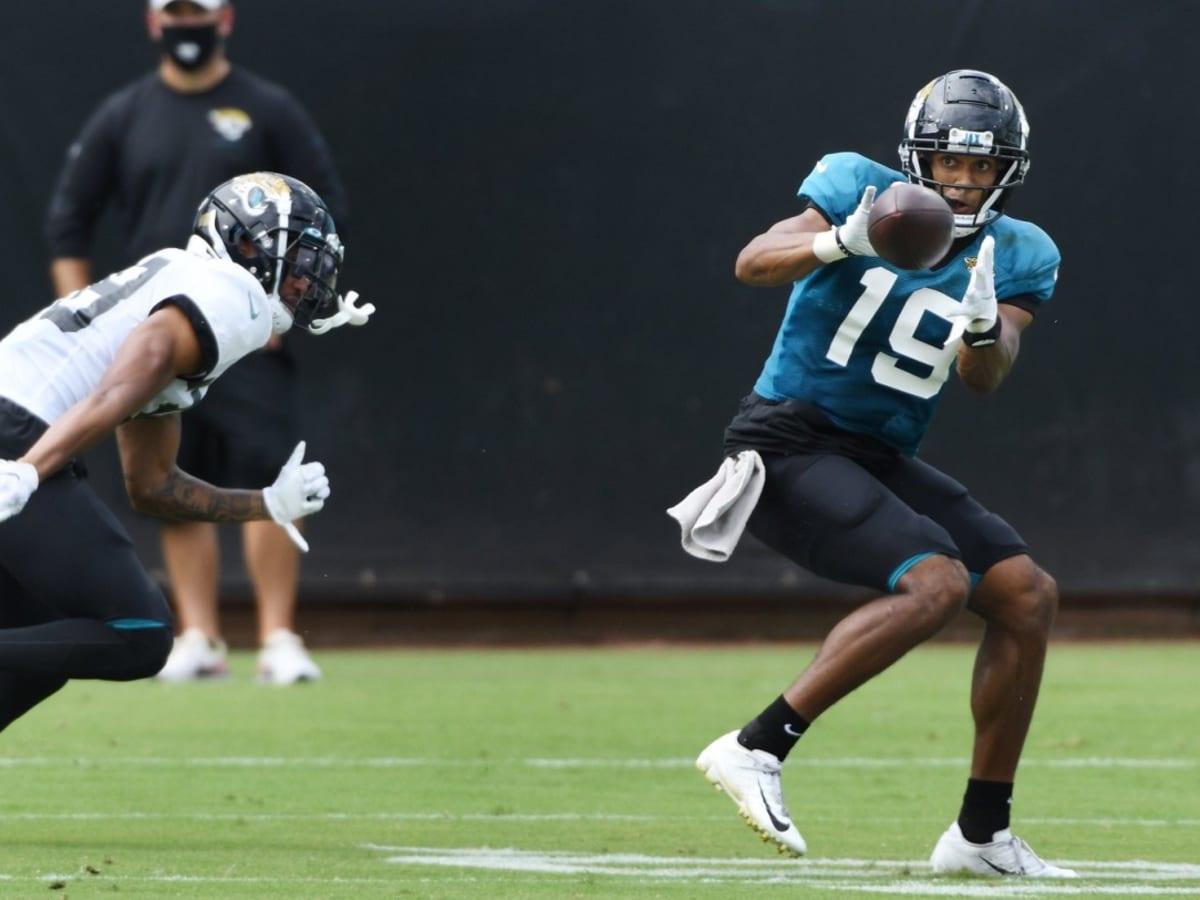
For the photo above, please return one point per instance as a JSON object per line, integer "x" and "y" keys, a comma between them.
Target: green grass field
{"x": 568, "y": 773}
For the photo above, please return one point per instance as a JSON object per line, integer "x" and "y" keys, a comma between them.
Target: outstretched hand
{"x": 853, "y": 235}
{"x": 349, "y": 313}
{"x": 18, "y": 481}
{"x": 300, "y": 490}
{"x": 849, "y": 239}
{"x": 978, "y": 310}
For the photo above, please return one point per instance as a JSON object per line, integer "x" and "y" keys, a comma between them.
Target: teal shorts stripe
{"x": 904, "y": 567}
{"x": 135, "y": 624}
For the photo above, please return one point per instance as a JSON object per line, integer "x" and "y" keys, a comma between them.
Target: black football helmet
{"x": 967, "y": 111}
{"x": 273, "y": 226}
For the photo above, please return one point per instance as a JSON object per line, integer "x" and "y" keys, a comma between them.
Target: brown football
{"x": 910, "y": 226}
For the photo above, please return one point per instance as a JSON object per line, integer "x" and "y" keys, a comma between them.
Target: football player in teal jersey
{"x": 837, "y": 416}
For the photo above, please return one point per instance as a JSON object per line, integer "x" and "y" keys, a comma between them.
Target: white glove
{"x": 348, "y": 314}
{"x": 849, "y": 239}
{"x": 18, "y": 481}
{"x": 978, "y": 310}
{"x": 300, "y": 490}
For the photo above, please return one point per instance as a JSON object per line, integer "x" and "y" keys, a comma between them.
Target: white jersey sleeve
{"x": 53, "y": 360}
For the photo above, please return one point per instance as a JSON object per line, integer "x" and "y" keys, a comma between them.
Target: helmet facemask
{"x": 313, "y": 257}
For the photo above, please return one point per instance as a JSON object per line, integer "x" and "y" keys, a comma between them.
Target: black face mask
{"x": 190, "y": 46}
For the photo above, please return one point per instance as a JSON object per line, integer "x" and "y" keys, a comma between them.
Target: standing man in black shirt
{"x": 156, "y": 147}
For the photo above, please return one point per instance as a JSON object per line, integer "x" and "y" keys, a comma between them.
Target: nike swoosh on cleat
{"x": 779, "y": 826}
{"x": 1000, "y": 869}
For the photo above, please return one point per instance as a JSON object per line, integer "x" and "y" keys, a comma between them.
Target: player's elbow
{"x": 753, "y": 270}
{"x": 139, "y": 500}
{"x": 146, "y": 493}
{"x": 745, "y": 271}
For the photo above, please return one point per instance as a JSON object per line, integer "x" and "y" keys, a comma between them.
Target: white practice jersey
{"x": 54, "y": 359}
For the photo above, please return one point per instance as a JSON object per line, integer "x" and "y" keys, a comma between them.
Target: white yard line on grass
{"x": 900, "y": 877}
{"x": 909, "y": 878}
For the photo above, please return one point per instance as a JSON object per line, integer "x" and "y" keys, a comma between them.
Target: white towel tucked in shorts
{"x": 713, "y": 516}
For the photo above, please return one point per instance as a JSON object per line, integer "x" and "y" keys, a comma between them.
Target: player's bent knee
{"x": 1034, "y": 598}
{"x": 1041, "y": 601}
{"x": 147, "y": 645}
{"x": 1021, "y": 597}
{"x": 938, "y": 588}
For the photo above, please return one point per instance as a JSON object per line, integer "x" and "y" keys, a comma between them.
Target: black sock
{"x": 985, "y": 809}
{"x": 776, "y": 729}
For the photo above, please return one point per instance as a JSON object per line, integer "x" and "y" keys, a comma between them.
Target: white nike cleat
{"x": 751, "y": 779}
{"x": 193, "y": 657}
{"x": 283, "y": 660}
{"x": 1004, "y": 855}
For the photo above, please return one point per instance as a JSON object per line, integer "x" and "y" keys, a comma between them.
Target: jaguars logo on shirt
{"x": 229, "y": 122}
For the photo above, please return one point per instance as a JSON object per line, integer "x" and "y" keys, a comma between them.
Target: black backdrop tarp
{"x": 548, "y": 199}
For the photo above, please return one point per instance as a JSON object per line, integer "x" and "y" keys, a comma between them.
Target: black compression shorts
{"x": 66, "y": 555}
{"x": 851, "y": 509}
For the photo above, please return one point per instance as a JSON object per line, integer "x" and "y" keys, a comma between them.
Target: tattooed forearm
{"x": 186, "y": 498}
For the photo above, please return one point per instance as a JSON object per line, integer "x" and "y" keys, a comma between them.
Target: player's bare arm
{"x": 783, "y": 253}
{"x": 982, "y": 369}
{"x": 159, "y": 350}
{"x": 70, "y": 273}
{"x": 158, "y": 487}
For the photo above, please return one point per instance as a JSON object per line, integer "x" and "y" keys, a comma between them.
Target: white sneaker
{"x": 1005, "y": 855}
{"x": 283, "y": 660}
{"x": 751, "y": 779}
{"x": 193, "y": 656}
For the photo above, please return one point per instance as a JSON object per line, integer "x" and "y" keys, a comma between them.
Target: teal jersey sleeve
{"x": 1026, "y": 260}
{"x": 838, "y": 180}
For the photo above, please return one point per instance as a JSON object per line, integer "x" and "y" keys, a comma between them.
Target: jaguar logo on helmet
{"x": 259, "y": 190}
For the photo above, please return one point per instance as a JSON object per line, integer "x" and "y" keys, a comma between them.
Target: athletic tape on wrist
{"x": 828, "y": 247}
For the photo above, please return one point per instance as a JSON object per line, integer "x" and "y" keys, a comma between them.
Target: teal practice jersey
{"x": 872, "y": 345}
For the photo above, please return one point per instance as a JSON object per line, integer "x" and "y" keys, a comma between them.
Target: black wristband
{"x": 837, "y": 236}
{"x": 983, "y": 338}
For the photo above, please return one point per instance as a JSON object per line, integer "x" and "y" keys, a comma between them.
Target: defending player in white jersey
{"x": 128, "y": 354}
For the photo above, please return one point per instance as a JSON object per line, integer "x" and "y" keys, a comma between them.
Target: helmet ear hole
{"x": 246, "y": 246}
